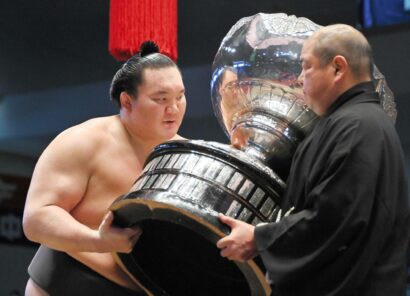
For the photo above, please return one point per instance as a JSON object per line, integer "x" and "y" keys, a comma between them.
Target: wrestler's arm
{"x": 58, "y": 184}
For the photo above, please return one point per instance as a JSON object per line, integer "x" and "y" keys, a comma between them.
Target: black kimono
{"x": 349, "y": 231}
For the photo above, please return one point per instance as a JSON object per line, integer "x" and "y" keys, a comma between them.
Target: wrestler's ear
{"x": 125, "y": 101}
{"x": 340, "y": 66}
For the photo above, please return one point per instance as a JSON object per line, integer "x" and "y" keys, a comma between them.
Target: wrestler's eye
{"x": 159, "y": 100}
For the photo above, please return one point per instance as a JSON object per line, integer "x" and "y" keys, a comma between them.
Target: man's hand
{"x": 240, "y": 244}
{"x": 115, "y": 239}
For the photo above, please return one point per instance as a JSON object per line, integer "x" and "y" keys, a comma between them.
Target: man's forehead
{"x": 161, "y": 74}
{"x": 164, "y": 87}
{"x": 307, "y": 47}
{"x": 166, "y": 90}
{"x": 160, "y": 71}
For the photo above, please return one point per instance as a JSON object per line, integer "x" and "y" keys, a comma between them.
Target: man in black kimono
{"x": 347, "y": 228}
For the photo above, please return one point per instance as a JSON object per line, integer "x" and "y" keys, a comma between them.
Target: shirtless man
{"x": 86, "y": 168}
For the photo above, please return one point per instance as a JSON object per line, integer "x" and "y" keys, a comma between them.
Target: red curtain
{"x": 135, "y": 21}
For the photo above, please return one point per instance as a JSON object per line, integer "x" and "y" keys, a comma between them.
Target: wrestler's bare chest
{"x": 111, "y": 178}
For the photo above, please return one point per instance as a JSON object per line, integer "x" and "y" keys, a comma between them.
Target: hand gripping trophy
{"x": 185, "y": 184}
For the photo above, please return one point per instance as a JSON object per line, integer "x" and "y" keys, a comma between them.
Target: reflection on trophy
{"x": 185, "y": 184}
{"x": 265, "y": 119}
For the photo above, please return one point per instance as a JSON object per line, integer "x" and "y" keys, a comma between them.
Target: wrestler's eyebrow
{"x": 163, "y": 92}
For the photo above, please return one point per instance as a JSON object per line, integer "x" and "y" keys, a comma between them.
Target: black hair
{"x": 130, "y": 75}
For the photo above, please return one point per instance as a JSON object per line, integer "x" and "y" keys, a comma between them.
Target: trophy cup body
{"x": 185, "y": 184}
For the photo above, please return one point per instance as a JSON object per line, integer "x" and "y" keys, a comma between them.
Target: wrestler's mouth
{"x": 169, "y": 122}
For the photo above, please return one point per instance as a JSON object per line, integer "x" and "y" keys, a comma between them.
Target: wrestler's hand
{"x": 240, "y": 244}
{"x": 116, "y": 239}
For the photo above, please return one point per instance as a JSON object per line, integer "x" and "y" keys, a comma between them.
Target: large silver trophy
{"x": 185, "y": 184}
{"x": 254, "y": 88}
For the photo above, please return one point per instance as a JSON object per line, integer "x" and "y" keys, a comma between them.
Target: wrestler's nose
{"x": 172, "y": 108}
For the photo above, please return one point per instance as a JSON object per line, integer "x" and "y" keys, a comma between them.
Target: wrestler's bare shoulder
{"x": 94, "y": 130}
{"x": 85, "y": 138}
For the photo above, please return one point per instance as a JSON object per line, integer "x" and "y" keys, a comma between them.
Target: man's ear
{"x": 340, "y": 65}
{"x": 125, "y": 101}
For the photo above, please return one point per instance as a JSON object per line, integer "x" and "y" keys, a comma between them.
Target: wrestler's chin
{"x": 169, "y": 130}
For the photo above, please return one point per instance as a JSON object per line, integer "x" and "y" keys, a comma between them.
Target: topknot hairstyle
{"x": 148, "y": 47}
{"x": 130, "y": 76}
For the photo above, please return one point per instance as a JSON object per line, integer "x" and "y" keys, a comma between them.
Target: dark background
{"x": 55, "y": 71}
{"x": 58, "y": 44}
{"x": 42, "y": 38}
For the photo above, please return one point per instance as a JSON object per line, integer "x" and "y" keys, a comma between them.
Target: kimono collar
{"x": 354, "y": 94}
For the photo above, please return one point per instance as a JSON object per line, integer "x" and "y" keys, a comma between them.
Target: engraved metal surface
{"x": 187, "y": 183}
{"x": 192, "y": 173}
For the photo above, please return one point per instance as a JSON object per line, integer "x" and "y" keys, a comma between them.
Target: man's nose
{"x": 172, "y": 108}
{"x": 301, "y": 78}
